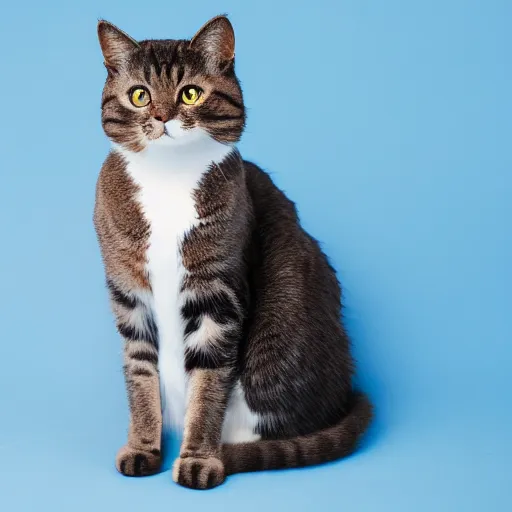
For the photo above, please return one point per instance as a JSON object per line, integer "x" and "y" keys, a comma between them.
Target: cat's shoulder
{"x": 114, "y": 179}
{"x": 116, "y": 191}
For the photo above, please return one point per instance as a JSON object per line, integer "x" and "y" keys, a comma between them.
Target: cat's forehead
{"x": 163, "y": 48}
{"x": 161, "y": 56}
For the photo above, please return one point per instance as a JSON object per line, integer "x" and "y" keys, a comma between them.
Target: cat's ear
{"x": 216, "y": 38}
{"x": 115, "y": 44}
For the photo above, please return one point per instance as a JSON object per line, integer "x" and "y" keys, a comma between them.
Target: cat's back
{"x": 268, "y": 201}
{"x": 279, "y": 229}
{"x": 296, "y": 315}
{"x": 290, "y": 264}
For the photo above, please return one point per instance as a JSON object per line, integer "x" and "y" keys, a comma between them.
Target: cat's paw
{"x": 198, "y": 473}
{"x": 134, "y": 462}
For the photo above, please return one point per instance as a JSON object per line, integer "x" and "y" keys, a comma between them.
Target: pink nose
{"x": 161, "y": 115}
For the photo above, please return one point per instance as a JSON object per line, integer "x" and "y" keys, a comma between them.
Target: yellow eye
{"x": 191, "y": 95}
{"x": 140, "y": 97}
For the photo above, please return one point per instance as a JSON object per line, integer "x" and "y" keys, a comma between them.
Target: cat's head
{"x": 171, "y": 92}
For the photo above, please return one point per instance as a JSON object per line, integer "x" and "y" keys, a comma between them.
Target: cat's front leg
{"x": 213, "y": 334}
{"x": 141, "y": 456}
{"x": 199, "y": 465}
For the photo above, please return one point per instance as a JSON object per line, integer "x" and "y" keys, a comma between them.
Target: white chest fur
{"x": 167, "y": 177}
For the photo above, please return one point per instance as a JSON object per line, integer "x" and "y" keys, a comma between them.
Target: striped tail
{"x": 323, "y": 446}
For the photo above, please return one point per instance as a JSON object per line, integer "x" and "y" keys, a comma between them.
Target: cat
{"x": 229, "y": 310}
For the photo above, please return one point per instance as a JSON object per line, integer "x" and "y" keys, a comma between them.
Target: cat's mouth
{"x": 166, "y": 133}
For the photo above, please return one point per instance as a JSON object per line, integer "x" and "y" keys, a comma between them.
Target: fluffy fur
{"x": 229, "y": 310}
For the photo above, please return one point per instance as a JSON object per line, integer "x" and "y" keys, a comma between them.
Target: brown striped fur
{"x": 121, "y": 228}
{"x": 200, "y": 457}
{"x": 263, "y": 283}
{"x": 325, "y": 445}
{"x": 123, "y": 237}
{"x": 167, "y": 66}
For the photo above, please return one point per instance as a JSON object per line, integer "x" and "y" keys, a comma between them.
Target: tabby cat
{"x": 229, "y": 310}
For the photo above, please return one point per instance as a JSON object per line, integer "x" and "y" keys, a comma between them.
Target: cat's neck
{"x": 167, "y": 156}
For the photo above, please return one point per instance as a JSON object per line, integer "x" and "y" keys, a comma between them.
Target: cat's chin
{"x": 168, "y": 141}
{"x": 164, "y": 140}
{"x": 192, "y": 139}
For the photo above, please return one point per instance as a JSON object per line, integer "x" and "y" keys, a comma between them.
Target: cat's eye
{"x": 140, "y": 97}
{"x": 191, "y": 94}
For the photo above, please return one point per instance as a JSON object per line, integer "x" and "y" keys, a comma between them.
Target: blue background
{"x": 389, "y": 123}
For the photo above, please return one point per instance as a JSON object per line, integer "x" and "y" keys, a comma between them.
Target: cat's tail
{"x": 323, "y": 446}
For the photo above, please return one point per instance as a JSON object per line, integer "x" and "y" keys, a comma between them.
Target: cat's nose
{"x": 162, "y": 117}
{"x": 161, "y": 114}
